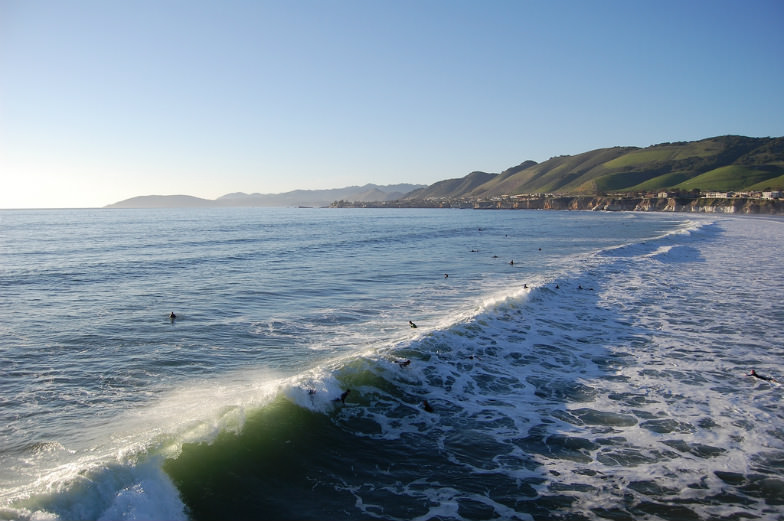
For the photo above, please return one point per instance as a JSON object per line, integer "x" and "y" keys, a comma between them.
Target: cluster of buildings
{"x": 554, "y": 201}
{"x": 694, "y": 194}
{"x": 775, "y": 194}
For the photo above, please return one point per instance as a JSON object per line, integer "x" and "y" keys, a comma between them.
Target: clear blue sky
{"x": 105, "y": 100}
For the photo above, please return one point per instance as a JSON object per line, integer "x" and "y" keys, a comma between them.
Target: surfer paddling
{"x": 761, "y": 377}
{"x": 412, "y": 324}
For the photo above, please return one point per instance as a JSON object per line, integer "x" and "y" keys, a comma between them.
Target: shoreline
{"x": 745, "y": 206}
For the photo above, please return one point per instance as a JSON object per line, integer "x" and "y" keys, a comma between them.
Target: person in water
{"x": 172, "y": 316}
{"x": 411, "y": 324}
{"x": 343, "y": 396}
{"x": 766, "y": 378}
{"x": 404, "y": 363}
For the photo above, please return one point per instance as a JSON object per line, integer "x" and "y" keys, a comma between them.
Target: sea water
{"x": 565, "y": 365}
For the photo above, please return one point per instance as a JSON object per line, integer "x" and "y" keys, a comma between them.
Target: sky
{"x": 102, "y": 100}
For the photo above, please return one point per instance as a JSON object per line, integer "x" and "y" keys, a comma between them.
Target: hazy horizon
{"x": 101, "y": 102}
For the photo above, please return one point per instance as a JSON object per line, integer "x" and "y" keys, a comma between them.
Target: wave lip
{"x": 106, "y": 492}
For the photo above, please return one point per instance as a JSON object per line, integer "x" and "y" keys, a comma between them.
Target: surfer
{"x": 766, "y": 378}
{"x": 426, "y": 406}
{"x": 404, "y": 363}
{"x": 172, "y": 316}
{"x": 412, "y": 324}
{"x": 446, "y": 275}
{"x": 511, "y": 262}
{"x": 343, "y": 396}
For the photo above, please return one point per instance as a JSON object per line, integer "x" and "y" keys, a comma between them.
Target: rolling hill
{"x": 734, "y": 163}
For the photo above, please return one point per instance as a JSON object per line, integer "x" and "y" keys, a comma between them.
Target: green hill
{"x": 774, "y": 183}
{"x": 451, "y": 186}
{"x": 730, "y": 178}
{"x": 720, "y": 163}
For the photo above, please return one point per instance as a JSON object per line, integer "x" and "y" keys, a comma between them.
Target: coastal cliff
{"x": 751, "y": 206}
{"x": 640, "y": 204}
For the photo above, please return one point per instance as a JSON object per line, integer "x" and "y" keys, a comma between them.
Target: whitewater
{"x": 565, "y": 365}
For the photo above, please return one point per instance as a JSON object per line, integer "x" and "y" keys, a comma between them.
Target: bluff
{"x": 645, "y": 204}
{"x": 753, "y": 206}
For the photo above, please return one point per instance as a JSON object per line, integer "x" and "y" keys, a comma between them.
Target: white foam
{"x": 121, "y": 477}
{"x": 104, "y": 492}
{"x": 151, "y": 496}
{"x": 633, "y": 367}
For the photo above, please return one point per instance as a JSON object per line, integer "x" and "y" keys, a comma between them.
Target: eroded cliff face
{"x": 611, "y": 204}
{"x": 739, "y": 206}
{"x": 634, "y": 204}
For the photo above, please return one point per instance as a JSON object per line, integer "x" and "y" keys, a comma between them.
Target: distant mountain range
{"x": 317, "y": 198}
{"x": 724, "y": 163}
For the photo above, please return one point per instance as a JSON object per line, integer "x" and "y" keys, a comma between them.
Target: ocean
{"x": 565, "y": 365}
